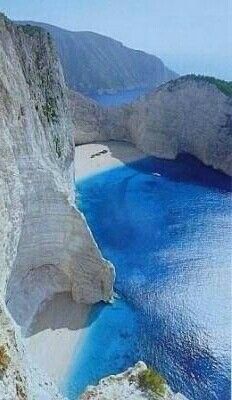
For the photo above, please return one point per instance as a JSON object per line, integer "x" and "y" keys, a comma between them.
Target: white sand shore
{"x": 96, "y": 157}
{"x": 56, "y": 333}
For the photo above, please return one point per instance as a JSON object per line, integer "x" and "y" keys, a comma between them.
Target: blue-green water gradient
{"x": 166, "y": 226}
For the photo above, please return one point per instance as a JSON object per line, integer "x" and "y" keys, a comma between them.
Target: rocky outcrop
{"x": 93, "y": 123}
{"x": 185, "y": 116}
{"x": 127, "y": 386}
{"x": 189, "y": 115}
{"x": 87, "y": 117}
{"x": 46, "y": 246}
{"x": 96, "y": 63}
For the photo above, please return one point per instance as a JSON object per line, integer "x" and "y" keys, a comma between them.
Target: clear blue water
{"x": 119, "y": 98}
{"x": 169, "y": 237}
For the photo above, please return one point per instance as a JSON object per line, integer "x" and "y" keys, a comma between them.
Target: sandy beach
{"x": 61, "y": 325}
{"x": 97, "y": 157}
{"x": 55, "y": 334}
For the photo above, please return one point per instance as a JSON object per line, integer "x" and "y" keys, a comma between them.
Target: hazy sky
{"x": 189, "y": 35}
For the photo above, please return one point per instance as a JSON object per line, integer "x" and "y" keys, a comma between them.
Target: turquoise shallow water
{"x": 169, "y": 237}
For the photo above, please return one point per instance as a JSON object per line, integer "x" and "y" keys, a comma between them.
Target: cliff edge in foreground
{"x": 46, "y": 246}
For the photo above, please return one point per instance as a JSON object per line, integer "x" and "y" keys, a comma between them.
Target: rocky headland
{"x": 192, "y": 114}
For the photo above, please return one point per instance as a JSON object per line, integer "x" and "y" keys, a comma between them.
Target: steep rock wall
{"x": 93, "y": 123}
{"x": 188, "y": 115}
{"x": 87, "y": 117}
{"x": 184, "y": 116}
{"x": 46, "y": 246}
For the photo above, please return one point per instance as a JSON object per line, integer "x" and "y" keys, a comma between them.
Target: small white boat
{"x": 155, "y": 174}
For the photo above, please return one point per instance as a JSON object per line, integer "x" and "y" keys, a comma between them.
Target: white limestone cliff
{"x": 189, "y": 115}
{"x": 46, "y": 246}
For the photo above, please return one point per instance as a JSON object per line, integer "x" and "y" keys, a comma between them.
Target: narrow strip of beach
{"x": 55, "y": 335}
{"x": 95, "y": 158}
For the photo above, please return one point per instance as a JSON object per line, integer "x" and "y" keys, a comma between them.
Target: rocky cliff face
{"x": 46, "y": 246}
{"x": 93, "y": 63}
{"x": 128, "y": 386}
{"x": 88, "y": 118}
{"x": 189, "y": 115}
{"x": 185, "y": 116}
{"x": 93, "y": 123}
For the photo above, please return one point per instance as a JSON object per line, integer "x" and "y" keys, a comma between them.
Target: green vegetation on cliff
{"x": 4, "y": 358}
{"x": 224, "y": 86}
{"x": 31, "y": 29}
{"x": 57, "y": 143}
{"x": 50, "y": 109}
{"x": 153, "y": 381}
{"x": 42, "y": 79}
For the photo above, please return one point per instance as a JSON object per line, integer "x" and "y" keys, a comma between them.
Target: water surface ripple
{"x": 166, "y": 226}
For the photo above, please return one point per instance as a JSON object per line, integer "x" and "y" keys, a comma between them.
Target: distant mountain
{"x": 95, "y": 63}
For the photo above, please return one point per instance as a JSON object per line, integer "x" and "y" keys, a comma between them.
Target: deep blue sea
{"x": 120, "y": 98}
{"x": 166, "y": 226}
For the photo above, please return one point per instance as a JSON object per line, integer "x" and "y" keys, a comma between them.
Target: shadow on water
{"x": 186, "y": 168}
